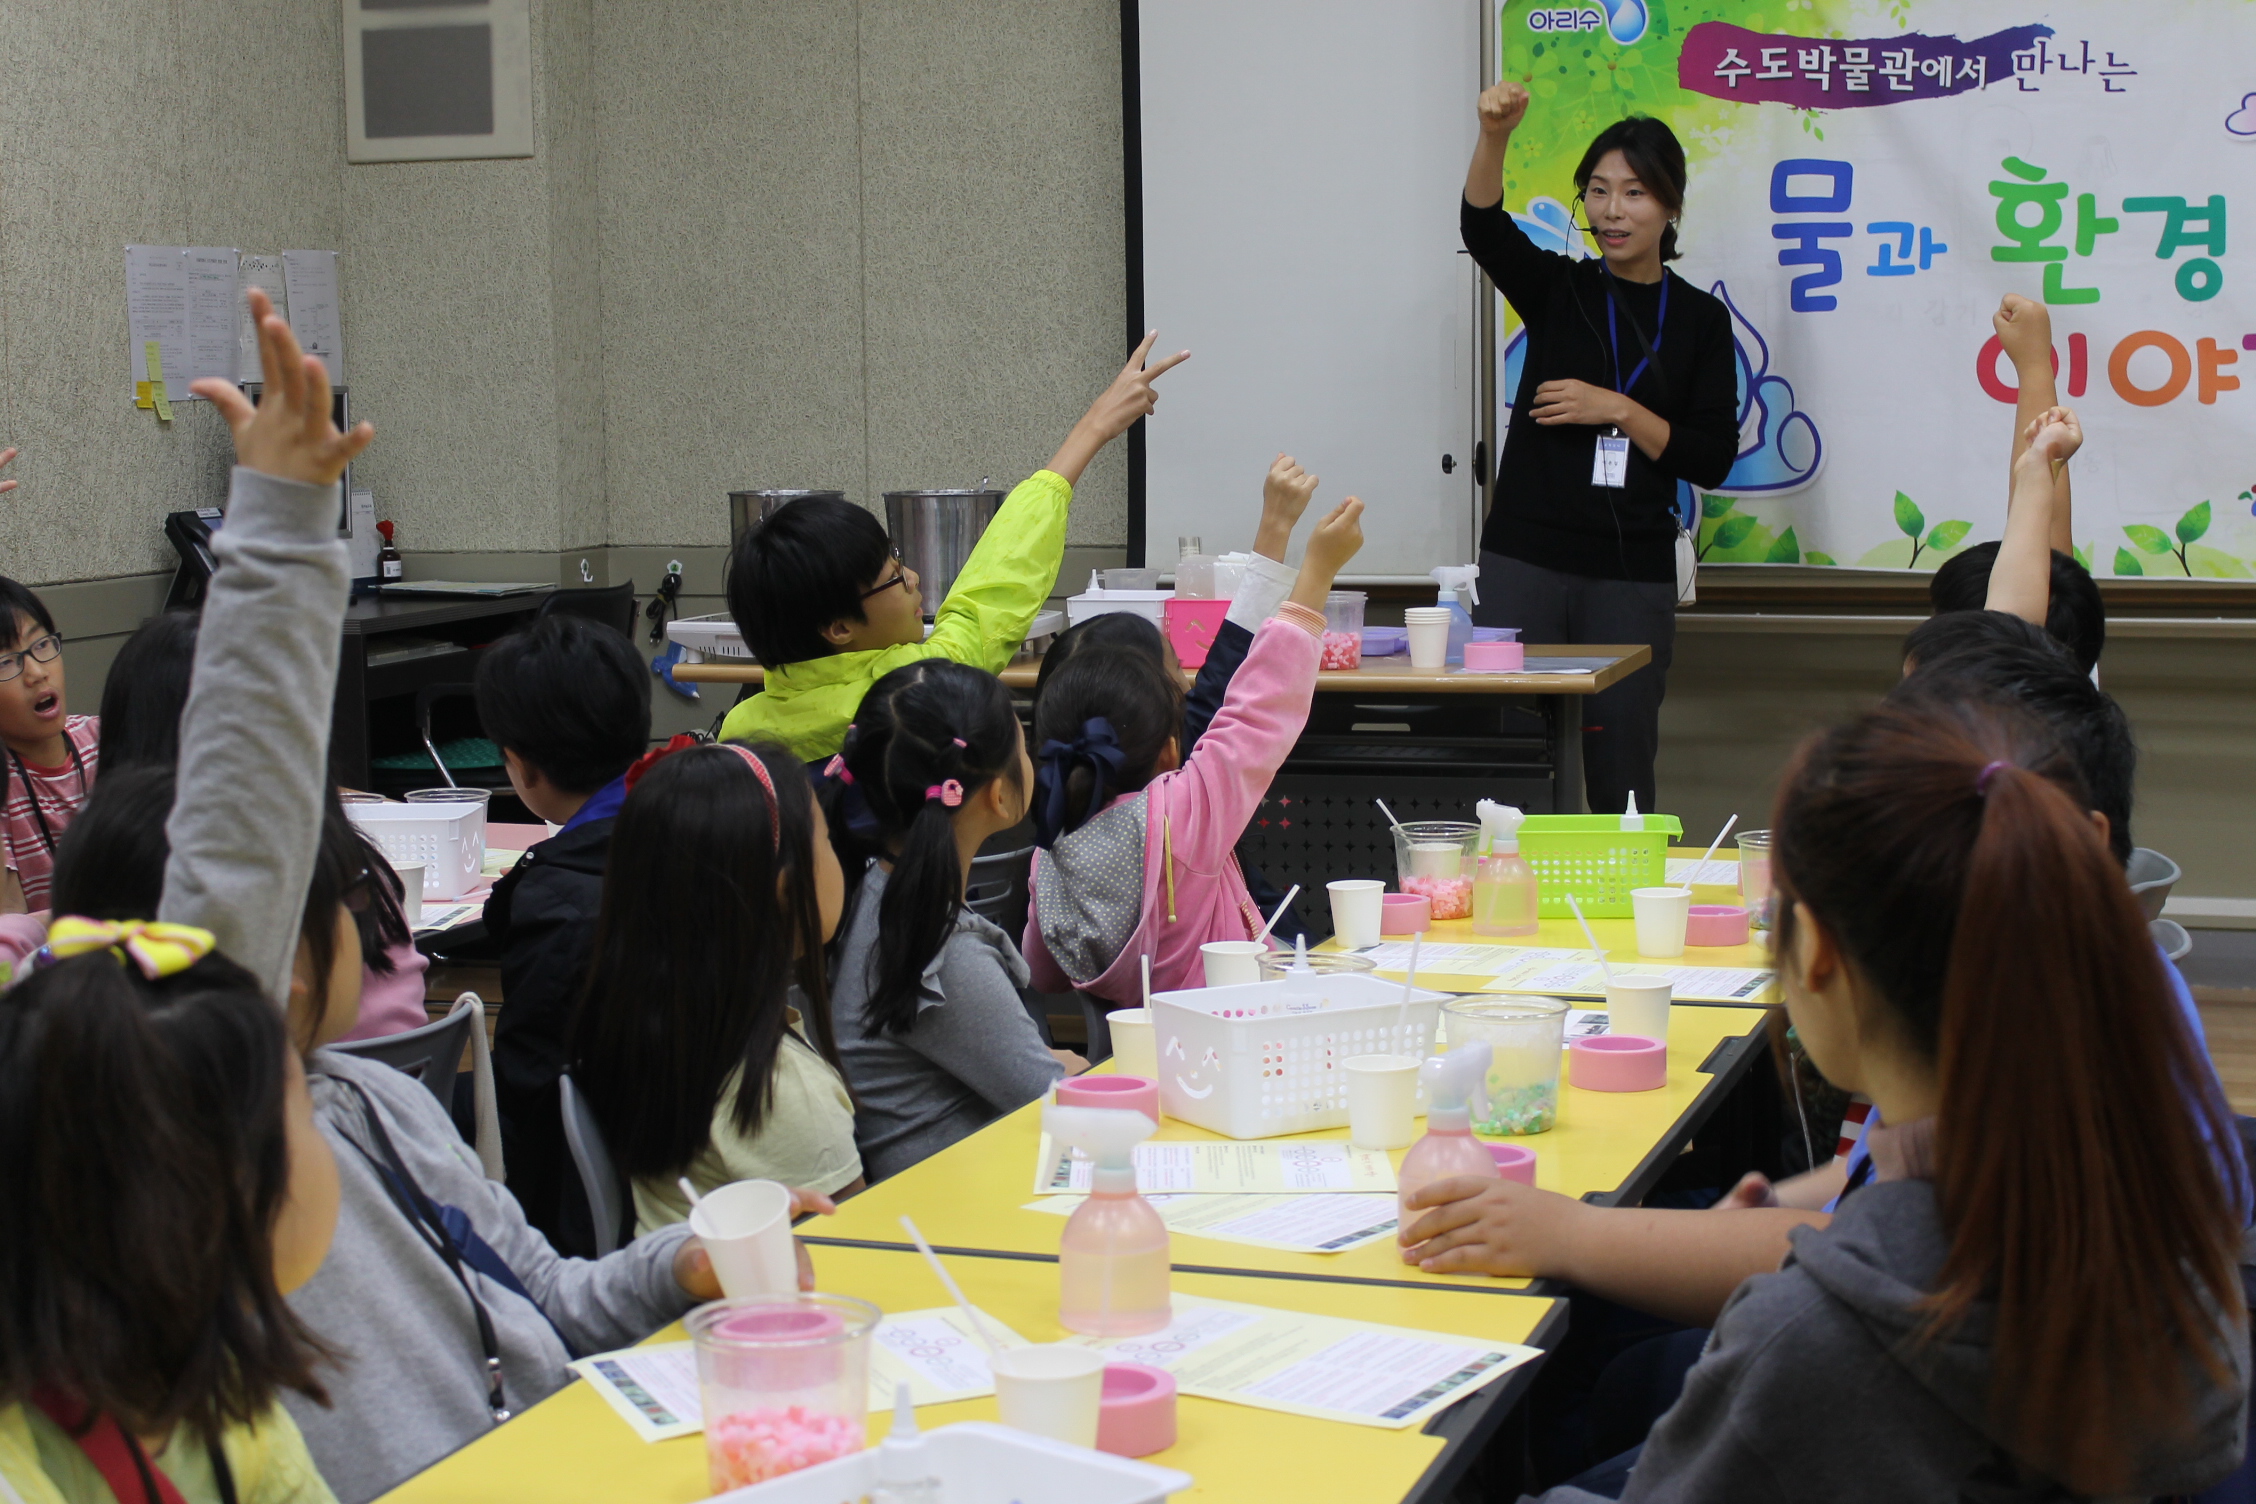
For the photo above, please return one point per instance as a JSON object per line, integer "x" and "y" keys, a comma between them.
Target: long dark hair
{"x": 144, "y": 1157}
{"x": 1100, "y": 729}
{"x": 921, "y": 729}
{"x": 146, "y": 691}
{"x": 1946, "y": 848}
{"x": 709, "y": 919}
{"x": 1654, "y": 154}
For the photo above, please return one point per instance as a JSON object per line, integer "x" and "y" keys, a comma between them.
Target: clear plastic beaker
{"x": 784, "y": 1381}
{"x": 1435, "y": 857}
{"x": 1754, "y": 876}
{"x": 1343, "y": 629}
{"x": 1529, "y": 1038}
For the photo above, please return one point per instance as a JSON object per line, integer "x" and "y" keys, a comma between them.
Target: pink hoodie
{"x": 1196, "y": 815}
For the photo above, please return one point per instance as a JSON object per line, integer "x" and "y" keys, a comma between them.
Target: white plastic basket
{"x": 705, "y": 637}
{"x": 1234, "y": 1061}
{"x": 1090, "y": 604}
{"x": 982, "y": 1463}
{"x": 448, "y": 839}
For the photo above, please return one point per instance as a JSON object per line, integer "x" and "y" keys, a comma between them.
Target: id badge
{"x": 1609, "y": 467}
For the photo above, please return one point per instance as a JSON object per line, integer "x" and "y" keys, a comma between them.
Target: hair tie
{"x": 1982, "y": 779}
{"x": 1096, "y": 747}
{"x": 158, "y": 949}
{"x": 684, "y": 741}
{"x": 949, "y": 793}
{"x": 959, "y": 741}
{"x": 836, "y": 768}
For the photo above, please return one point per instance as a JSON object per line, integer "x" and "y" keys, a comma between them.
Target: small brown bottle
{"x": 389, "y": 565}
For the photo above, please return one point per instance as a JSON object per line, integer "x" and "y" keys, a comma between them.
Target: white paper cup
{"x": 1661, "y": 914}
{"x": 1233, "y": 963}
{"x": 1356, "y": 903}
{"x": 746, "y": 1229}
{"x": 411, "y": 891}
{"x": 1134, "y": 1052}
{"x": 1052, "y": 1390}
{"x": 1382, "y": 1100}
{"x": 1429, "y": 639}
{"x": 1638, "y": 1005}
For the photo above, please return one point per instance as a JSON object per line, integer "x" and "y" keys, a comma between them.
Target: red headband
{"x": 684, "y": 742}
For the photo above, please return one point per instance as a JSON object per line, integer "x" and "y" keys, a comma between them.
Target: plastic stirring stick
{"x": 1147, "y": 980}
{"x": 690, "y": 1191}
{"x": 971, "y": 1314}
{"x": 1273, "y": 918}
{"x": 1391, "y": 820}
{"x": 1576, "y": 905}
{"x": 1712, "y": 845}
{"x": 1409, "y": 982}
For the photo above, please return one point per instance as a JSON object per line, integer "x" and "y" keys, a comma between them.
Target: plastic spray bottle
{"x": 1112, "y": 1259}
{"x": 1453, "y": 1083}
{"x": 1506, "y": 892}
{"x": 906, "y": 1473}
{"x": 1455, "y": 582}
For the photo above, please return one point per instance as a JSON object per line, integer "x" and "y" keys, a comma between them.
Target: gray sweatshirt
{"x": 972, "y": 1055}
{"x": 1808, "y": 1389}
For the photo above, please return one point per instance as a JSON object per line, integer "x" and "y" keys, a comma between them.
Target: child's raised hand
{"x": 6, "y": 455}
{"x": 2054, "y": 435}
{"x": 1335, "y": 541}
{"x": 1115, "y": 411}
{"x": 1284, "y": 496}
{"x": 289, "y": 434}
{"x": 2024, "y": 328}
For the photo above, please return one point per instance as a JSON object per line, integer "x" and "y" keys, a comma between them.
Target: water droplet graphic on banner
{"x": 1625, "y": 20}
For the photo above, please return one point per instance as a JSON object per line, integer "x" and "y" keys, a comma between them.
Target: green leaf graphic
{"x": 1948, "y": 534}
{"x": 1814, "y": 557}
{"x": 2149, "y": 539}
{"x": 1910, "y": 521}
{"x": 1716, "y": 506}
{"x": 1787, "y": 550}
{"x": 1732, "y": 531}
{"x": 2194, "y": 523}
{"x": 2125, "y": 563}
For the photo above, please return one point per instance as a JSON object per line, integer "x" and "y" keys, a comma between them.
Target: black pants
{"x": 1621, "y": 726}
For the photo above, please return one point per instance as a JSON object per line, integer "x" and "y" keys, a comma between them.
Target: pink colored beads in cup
{"x": 1342, "y": 650}
{"x": 1452, "y": 897}
{"x": 752, "y": 1446}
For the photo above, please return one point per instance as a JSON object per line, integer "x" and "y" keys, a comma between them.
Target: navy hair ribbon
{"x": 1096, "y": 748}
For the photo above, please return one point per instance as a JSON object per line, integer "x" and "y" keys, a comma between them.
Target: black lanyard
{"x": 425, "y": 1219}
{"x": 39, "y": 815}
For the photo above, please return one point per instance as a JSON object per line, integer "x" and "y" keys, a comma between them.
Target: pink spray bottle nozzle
{"x": 1456, "y": 1086}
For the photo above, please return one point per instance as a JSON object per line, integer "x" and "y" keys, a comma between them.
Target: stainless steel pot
{"x": 747, "y": 508}
{"x": 935, "y": 532}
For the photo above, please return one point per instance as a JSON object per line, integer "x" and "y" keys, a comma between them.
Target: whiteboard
{"x": 1302, "y": 166}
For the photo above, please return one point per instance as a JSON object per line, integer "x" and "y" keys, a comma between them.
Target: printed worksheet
{"x": 1693, "y": 984}
{"x": 1297, "y": 1224}
{"x": 1685, "y": 870}
{"x": 1266, "y": 1166}
{"x": 654, "y": 1388}
{"x": 1353, "y": 1371}
{"x": 1393, "y": 957}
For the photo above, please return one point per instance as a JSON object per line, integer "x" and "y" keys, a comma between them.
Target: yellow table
{"x": 970, "y": 1195}
{"x": 571, "y": 1446}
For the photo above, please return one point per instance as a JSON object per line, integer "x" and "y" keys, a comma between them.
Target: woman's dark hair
{"x": 146, "y": 691}
{"x": 17, "y": 603}
{"x": 1946, "y": 850}
{"x": 709, "y": 919}
{"x": 110, "y": 865}
{"x": 1654, "y": 154}
{"x": 918, "y": 729}
{"x": 144, "y": 1157}
{"x": 1122, "y": 630}
{"x": 1100, "y": 728}
{"x": 570, "y": 696}
{"x": 2075, "y": 615}
{"x": 799, "y": 571}
{"x": 1954, "y": 632}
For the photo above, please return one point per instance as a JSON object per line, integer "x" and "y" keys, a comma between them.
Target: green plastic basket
{"x": 1597, "y": 861}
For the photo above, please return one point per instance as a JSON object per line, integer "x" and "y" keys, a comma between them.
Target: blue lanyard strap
{"x": 1613, "y": 336}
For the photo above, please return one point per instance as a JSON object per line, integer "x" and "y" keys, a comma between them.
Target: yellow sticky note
{"x": 141, "y": 395}
{"x": 153, "y": 353}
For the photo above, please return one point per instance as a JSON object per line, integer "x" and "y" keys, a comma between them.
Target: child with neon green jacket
{"x": 828, "y": 608}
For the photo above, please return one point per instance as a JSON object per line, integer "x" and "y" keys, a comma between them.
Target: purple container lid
{"x": 1385, "y": 642}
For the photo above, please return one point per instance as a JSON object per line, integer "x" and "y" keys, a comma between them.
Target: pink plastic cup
{"x": 1513, "y": 1161}
{"x": 1405, "y": 914}
{"x": 1617, "y": 1062}
{"x": 1136, "y": 1417}
{"x": 1495, "y": 657}
{"x": 1716, "y": 924}
{"x": 1110, "y": 1091}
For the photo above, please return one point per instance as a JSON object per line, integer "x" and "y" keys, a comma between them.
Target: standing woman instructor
{"x": 1628, "y": 386}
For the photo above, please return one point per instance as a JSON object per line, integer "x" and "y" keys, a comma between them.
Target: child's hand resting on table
{"x": 693, "y": 1266}
{"x": 1333, "y": 543}
{"x": 289, "y": 434}
{"x": 1284, "y": 496}
{"x": 1498, "y": 1227}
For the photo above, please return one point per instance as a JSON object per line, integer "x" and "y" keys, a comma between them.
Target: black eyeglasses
{"x": 900, "y": 577}
{"x": 46, "y": 650}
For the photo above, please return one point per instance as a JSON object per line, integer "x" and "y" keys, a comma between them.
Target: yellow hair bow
{"x": 158, "y": 949}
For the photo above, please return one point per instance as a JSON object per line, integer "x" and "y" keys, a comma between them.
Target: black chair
{"x": 431, "y": 1054}
{"x": 612, "y": 605}
{"x": 599, "y": 1179}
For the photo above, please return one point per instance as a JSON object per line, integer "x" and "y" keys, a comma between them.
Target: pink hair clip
{"x": 959, "y": 741}
{"x": 836, "y": 768}
{"x": 949, "y": 793}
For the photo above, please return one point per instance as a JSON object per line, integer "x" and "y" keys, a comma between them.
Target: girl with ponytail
{"x": 930, "y": 1026}
{"x": 2036, "y": 1296}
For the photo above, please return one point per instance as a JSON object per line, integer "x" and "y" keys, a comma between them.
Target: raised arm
{"x": 2024, "y": 328}
{"x": 254, "y": 739}
{"x": 1524, "y": 272}
{"x": 1130, "y": 397}
{"x": 1502, "y": 107}
{"x": 2021, "y": 579}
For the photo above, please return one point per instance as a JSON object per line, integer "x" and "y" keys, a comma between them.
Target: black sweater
{"x": 1546, "y": 510}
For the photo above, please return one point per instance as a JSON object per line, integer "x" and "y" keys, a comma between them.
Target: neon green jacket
{"x": 808, "y": 706}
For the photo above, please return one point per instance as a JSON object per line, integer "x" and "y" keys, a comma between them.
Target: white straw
{"x": 1712, "y": 845}
{"x": 1391, "y": 820}
{"x": 1409, "y": 981}
{"x": 971, "y": 1314}
{"x": 690, "y": 1191}
{"x": 1147, "y": 979}
{"x": 1273, "y": 918}
{"x": 1576, "y": 905}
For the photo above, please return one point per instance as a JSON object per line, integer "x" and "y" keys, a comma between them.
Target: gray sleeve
{"x": 981, "y": 1034}
{"x": 254, "y": 740}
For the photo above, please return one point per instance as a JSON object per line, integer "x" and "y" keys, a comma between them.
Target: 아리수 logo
{"x": 1623, "y": 20}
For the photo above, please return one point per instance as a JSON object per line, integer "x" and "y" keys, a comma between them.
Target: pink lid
{"x": 1110, "y": 1091}
{"x": 1137, "y": 1415}
{"x": 1716, "y": 924}
{"x": 1513, "y": 1161}
{"x": 1495, "y": 657}
{"x": 1404, "y": 913}
{"x": 1617, "y": 1062}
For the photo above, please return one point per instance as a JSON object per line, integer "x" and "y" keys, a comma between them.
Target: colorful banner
{"x": 1867, "y": 181}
